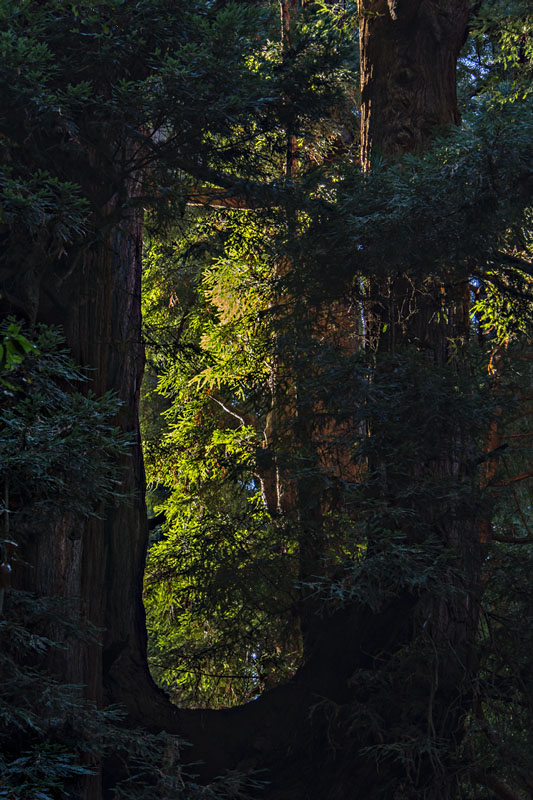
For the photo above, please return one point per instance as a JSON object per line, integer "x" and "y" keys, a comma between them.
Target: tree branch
{"x": 216, "y": 198}
{"x": 525, "y": 266}
{"x": 522, "y": 477}
{"x": 499, "y": 787}
{"x": 229, "y": 408}
{"x": 512, "y": 540}
{"x": 501, "y": 284}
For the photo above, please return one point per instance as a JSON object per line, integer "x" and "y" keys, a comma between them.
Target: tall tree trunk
{"x": 100, "y": 561}
{"x": 409, "y": 52}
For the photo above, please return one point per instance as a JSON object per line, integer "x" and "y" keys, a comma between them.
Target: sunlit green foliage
{"x": 212, "y": 310}
{"x": 218, "y": 583}
{"x": 503, "y": 32}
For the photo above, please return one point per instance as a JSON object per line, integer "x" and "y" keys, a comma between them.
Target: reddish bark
{"x": 409, "y": 51}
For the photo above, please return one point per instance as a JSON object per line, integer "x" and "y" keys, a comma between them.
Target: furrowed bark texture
{"x": 97, "y": 563}
{"x": 99, "y": 309}
{"x": 409, "y": 51}
{"x": 408, "y": 87}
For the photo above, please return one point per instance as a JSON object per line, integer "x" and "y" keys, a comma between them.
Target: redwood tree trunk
{"x": 97, "y": 563}
{"x": 409, "y": 51}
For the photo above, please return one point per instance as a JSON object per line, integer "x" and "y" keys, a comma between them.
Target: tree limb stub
{"x": 215, "y": 198}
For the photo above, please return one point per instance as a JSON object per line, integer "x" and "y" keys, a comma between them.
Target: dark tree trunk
{"x": 409, "y": 51}
{"x": 96, "y": 302}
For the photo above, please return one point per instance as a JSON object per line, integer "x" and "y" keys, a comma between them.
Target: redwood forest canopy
{"x": 265, "y": 400}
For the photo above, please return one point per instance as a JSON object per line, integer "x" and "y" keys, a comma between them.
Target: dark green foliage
{"x": 53, "y": 438}
{"x": 56, "y": 453}
{"x": 145, "y": 94}
{"x": 48, "y": 735}
{"x": 58, "y": 444}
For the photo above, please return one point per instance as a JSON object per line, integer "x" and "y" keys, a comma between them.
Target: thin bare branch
{"x": 229, "y": 408}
